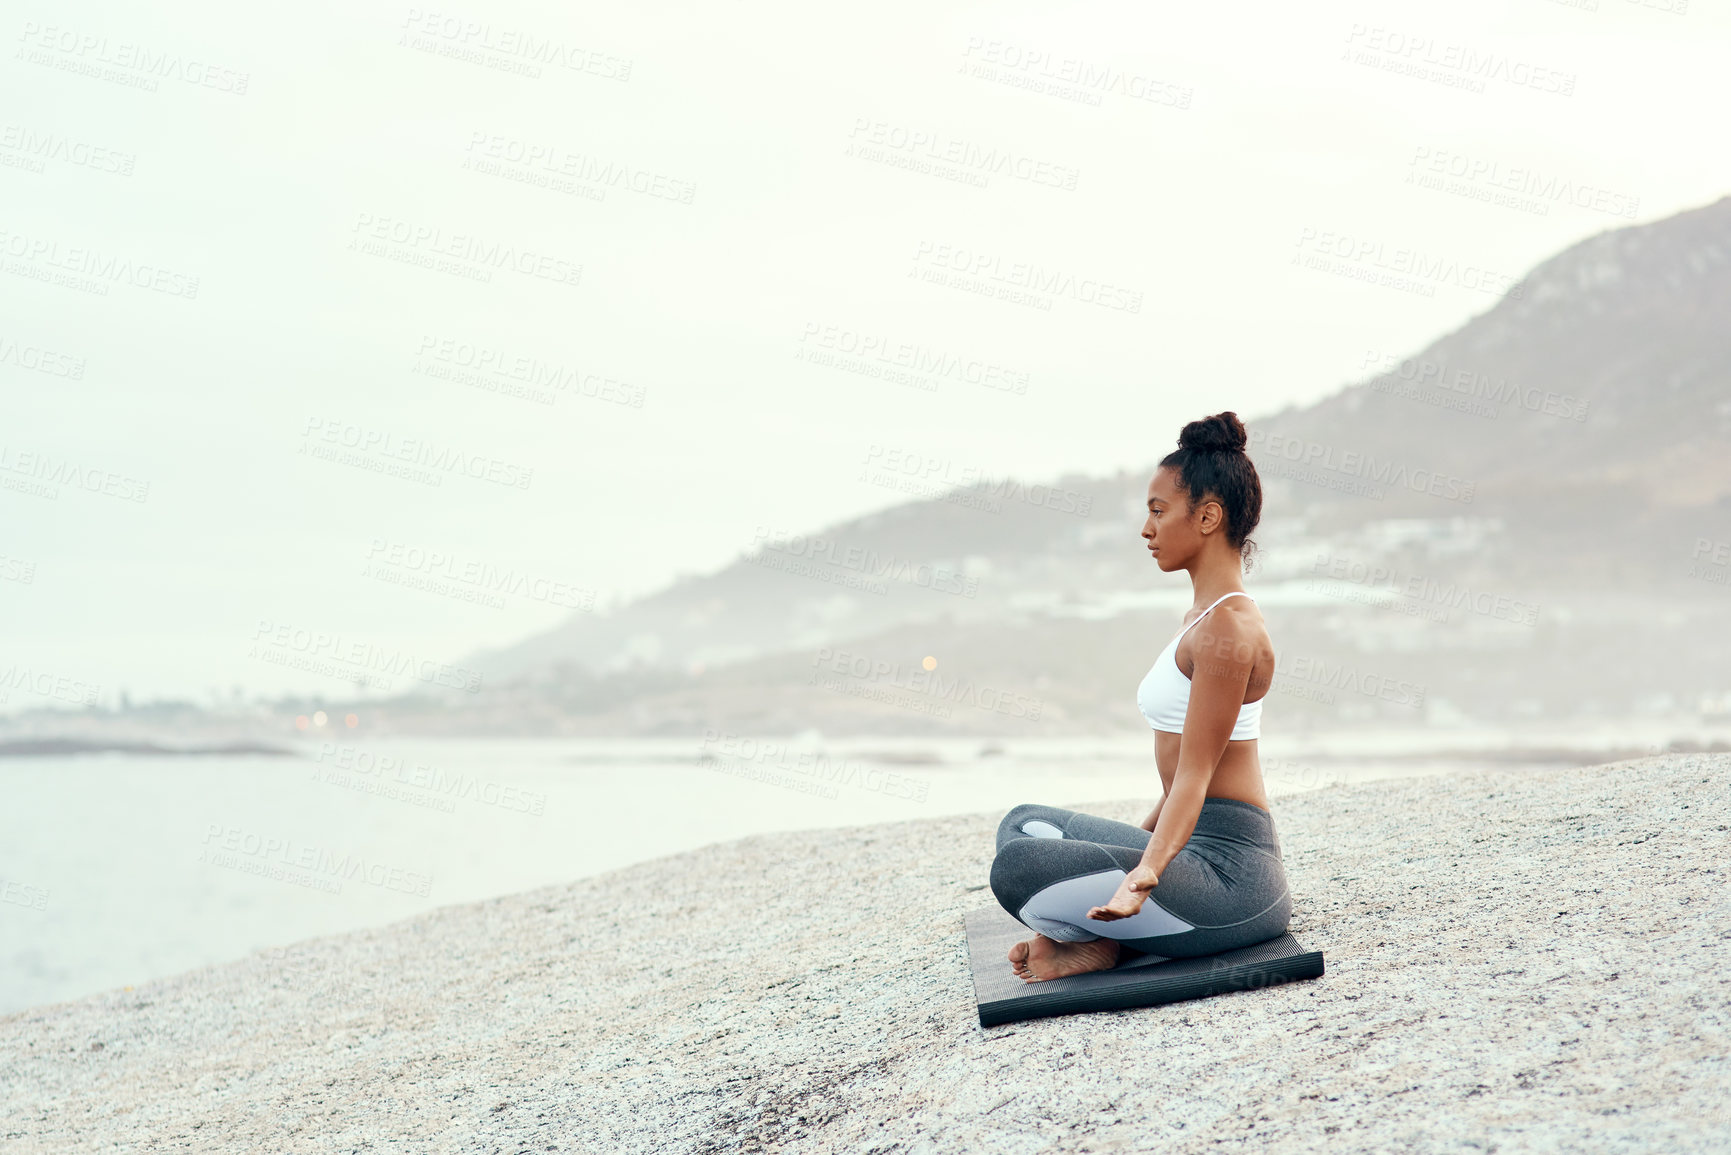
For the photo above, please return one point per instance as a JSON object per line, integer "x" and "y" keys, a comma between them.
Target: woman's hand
{"x": 1132, "y": 893}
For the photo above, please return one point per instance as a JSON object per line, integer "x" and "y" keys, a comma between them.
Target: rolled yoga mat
{"x": 1140, "y": 981}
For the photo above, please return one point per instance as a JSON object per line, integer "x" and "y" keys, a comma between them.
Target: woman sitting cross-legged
{"x": 1202, "y": 874}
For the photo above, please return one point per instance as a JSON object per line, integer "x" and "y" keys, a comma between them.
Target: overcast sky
{"x": 272, "y": 281}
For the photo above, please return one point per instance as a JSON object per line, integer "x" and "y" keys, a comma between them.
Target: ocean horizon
{"x": 176, "y": 863}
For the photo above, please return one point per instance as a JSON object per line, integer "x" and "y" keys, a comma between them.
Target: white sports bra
{"x": 1164, "y": 695}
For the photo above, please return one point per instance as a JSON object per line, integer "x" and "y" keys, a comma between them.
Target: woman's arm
{"x": 1153, "y": 818}
{"x": 1224, "y": 657}
{"x": 1176, "y": 822}
{"x": 1225, "y": 653}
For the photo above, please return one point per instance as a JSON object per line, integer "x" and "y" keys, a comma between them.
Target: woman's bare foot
{"x": 1042, "y": 958}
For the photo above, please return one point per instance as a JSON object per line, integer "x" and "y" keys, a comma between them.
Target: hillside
{"x": 1607, "y": 380}
{"x": 1612, "y": 363}
{"x": 1512, "y": 518}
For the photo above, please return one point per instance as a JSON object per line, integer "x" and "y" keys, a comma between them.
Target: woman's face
{"x": 1171, "y": 532}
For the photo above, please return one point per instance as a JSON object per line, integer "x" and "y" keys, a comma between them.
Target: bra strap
{"x": 1210, "y": 610}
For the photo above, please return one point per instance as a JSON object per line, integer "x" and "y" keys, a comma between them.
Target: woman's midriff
{"x": 1238, "y": 774}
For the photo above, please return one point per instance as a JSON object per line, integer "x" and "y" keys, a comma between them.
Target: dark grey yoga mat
{"x": 1143, "y": 981}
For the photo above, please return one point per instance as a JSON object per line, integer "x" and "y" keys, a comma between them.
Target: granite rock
{"x": 1535, "y": 961}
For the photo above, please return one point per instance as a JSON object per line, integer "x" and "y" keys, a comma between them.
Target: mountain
{"x": 1608, "y": 363}
{"x": 1601, "y": 385}
{"x": 1518, "y": 521}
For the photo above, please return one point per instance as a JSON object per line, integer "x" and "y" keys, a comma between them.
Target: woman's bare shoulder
{"x": 1240, "y": 614}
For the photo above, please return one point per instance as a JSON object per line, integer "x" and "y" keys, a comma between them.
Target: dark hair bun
{"x": 1220, "y": 433}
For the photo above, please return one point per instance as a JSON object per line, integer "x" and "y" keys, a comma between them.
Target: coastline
{"x": 1532, "y": 960}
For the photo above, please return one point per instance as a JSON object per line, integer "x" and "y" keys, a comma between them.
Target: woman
{"x": 1202, "y": 873}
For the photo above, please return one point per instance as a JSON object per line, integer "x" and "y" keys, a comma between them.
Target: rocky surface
{"x": 1516, "y": 962}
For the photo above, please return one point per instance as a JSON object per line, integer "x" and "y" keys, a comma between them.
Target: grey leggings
{"x": 1225, "y": 889}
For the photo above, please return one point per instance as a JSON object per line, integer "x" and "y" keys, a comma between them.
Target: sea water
{"x": 117, "y": 869}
